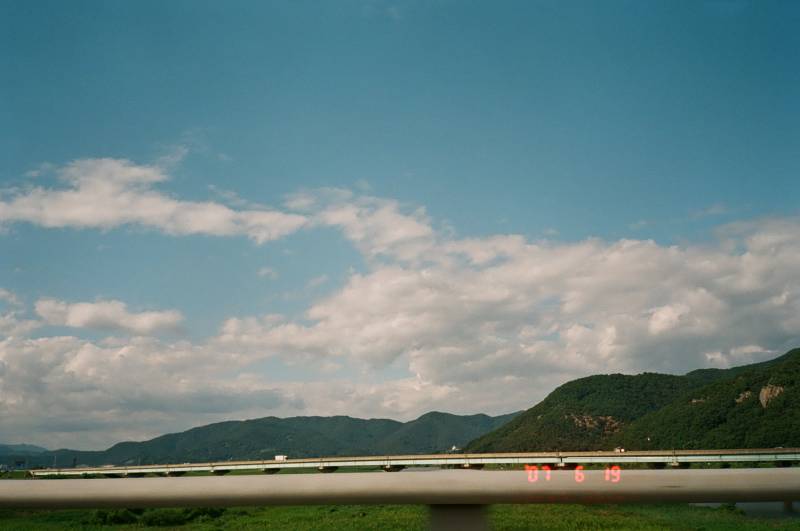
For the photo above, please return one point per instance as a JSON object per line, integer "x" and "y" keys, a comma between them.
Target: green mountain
{"x": 706, "y": 408}
{"x": 295, "y": 436}
{"x": 21, "y": 449}
{"x": 755, "y": 407}
{"x": 436, "y": 432}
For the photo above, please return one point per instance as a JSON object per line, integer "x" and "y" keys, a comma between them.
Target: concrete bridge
{"x": 554, "y": 460}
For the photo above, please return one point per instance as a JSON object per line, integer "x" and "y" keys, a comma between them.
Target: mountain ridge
{"x": 302, "y": 436}
{"x": 702, "y": 408}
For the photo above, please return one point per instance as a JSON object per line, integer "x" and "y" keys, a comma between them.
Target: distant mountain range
{"x": 295, "y": 436}
{"x": 752, "y": 406}
{"x": 21, "y": 449}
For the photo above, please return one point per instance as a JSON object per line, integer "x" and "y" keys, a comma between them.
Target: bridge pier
{"x": 393, "y": 468}
{"x": 472, "y": 466}
{"x": 328, "y": 469}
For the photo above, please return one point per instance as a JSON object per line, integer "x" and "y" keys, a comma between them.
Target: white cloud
{"x": 472, "y": 324}
{"x": 109, "y": 193}
{"x": 667, "y": 318}
{"x": 546, "y": 312}
{"x": 377, "y": 227}
{"x": 64, "y": 391}
{"x": 107, "y": 315}
{"x": 267, "y": 272}
{"x": 40, "y": 170}
{"x": 9, "y": 297}
{"x": 717, "y": 209}
{"x": 12, "y": 323}
{"x": 316, "y": 282}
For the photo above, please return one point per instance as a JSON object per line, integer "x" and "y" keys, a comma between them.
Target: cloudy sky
{"x": 225, "y": 210}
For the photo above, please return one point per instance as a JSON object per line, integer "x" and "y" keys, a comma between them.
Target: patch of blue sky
{"x": 563, "y": 121}
{"x": 207, "y": 278}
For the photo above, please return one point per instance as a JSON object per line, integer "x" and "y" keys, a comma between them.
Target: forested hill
{"x": 710, "y": 408}
{"x": 582, "y": 414}
{"x": 754, "y": 408}
{"x": 295, "y": 436}
{"x": 21, "y": 449}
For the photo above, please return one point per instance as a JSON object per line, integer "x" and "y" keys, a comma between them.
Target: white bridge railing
{"x": 457, "y": 497}
{"x": 395, "y": 463}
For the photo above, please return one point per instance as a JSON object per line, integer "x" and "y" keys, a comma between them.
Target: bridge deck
{"x": 557, "y": 459}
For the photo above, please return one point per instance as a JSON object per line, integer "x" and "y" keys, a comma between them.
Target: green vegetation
{"x": 583, "y": 414}
{"x": 708, "y": 408}
{"x": 437, "y": 432}
{"x": 21, "y": 449}
{"x": 296, "y": 436}
{"x": 344, "y": 517}
{"x": 755, "y": 408}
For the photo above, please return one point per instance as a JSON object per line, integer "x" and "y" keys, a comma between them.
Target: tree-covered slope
{"x": 436, "y": 432}
{"x": 295, "y": 436}
{"x": 704, "y": 408}
{"x": 21, "y": 449}
{"x": 757, "y": 408}
{"x": 583, "y": 414}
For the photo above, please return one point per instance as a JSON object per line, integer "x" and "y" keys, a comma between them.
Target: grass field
{"x": 402, "y": 517}
{"x": 352, "y": 517}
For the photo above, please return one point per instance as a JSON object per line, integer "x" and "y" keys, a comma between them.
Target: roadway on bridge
{"x": 781, "y": 456}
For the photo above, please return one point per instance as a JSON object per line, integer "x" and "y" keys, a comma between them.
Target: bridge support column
{"x": 393, "y": 468}
{"x": 472, "y": 466}
{"x": 459, "y": 518}
{"x": 328, "y": 469}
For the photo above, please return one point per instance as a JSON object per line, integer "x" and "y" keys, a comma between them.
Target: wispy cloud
{"x": 316, "y": 282}
{"x": 9, "y": 297}
{"x": 638, "y": 225}
{"x": 40, "y": 170}
{"x": 267, "y": 272}
{"x": 717, "y": 209}
{"x": 107, "y": 315}
{"x": 464, "y": 316}
{"x": 109, "y": 193}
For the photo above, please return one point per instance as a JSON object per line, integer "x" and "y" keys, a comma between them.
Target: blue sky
{"x": 461, "y": 122}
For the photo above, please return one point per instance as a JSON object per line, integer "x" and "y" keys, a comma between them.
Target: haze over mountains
{"x": 752, "y": 406}
{"x": 21, "y": 449}
{"x": 295, "y": 436}
{"x": 755, "y": 406}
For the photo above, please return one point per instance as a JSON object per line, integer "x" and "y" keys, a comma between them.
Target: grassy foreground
{"x": 346, "y": 517}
